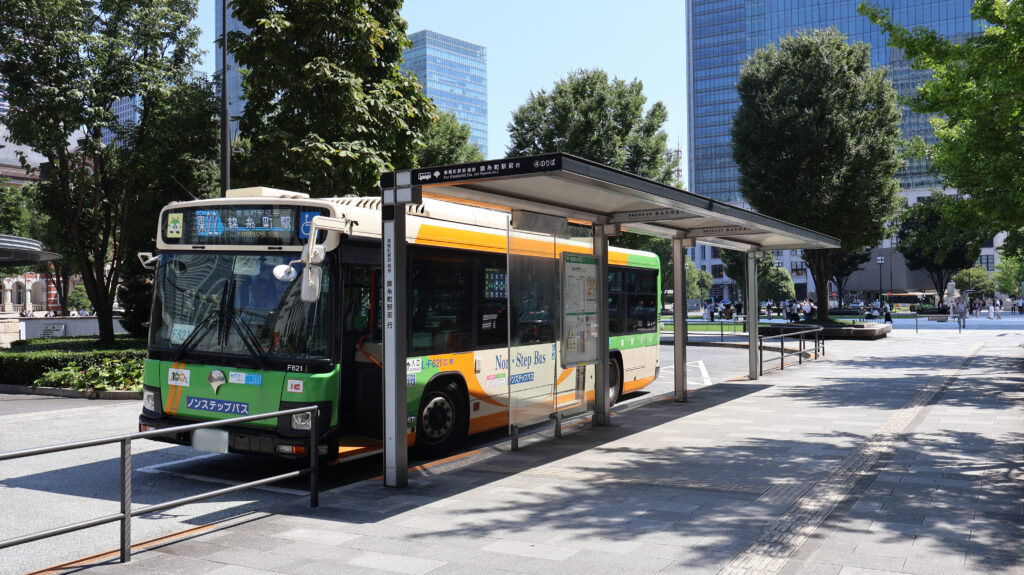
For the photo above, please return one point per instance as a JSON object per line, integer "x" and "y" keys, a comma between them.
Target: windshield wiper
{"x": 202, "y": 328}
{"x": 252, "y": 343}
{"x": 250, "y": 340}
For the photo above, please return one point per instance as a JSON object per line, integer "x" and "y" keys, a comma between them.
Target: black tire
{"x": 614, "y": 381}
{"x": 442, "y": 420}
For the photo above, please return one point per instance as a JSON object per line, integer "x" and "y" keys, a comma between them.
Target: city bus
{"x": 232, "y": 334}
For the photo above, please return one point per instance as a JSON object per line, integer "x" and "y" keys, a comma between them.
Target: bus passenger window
{"x": 442, "y": 301}
{"x": 534, "y": 296}
{"x": 492, "y": 312}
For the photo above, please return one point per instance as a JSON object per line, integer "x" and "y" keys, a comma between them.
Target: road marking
{"x": 159, "y": 468}
{"x": 770, "y": 551}
{"x": 117, "y": 552}
{"x": 699, "y": 364}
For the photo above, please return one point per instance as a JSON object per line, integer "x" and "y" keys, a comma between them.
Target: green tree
{"x": 327, "y": 108}
{"x": 976, "y": 101}
{"x": 1010, "y": 274}
{"x": 929, "y": 240}
{"x": 817, "y": 141}
{"x": 976, "y": 280}
{"x": 598, "y": 119}
{"x": 447, "y": 142}
{"x": 736, "y": 269}
{"x": 66, "y": 63}
{"x": 776, "y": 285}
{"x": 604, "y": 121}
{"x": 704, "y": 282}
{"x": 846, "y": 266}
{"x": 78, "y": 299}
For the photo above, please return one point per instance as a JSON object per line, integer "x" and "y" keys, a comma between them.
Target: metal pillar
{"x": 602, "y": 409}
{"x": 679, "y": 246}
{"x": 752, "y": 306}
{"x": 225, "y": 120}
{"x": 396, "y": 445}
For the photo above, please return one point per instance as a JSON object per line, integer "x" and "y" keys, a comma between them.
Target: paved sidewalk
{"x": 901, "y": 455}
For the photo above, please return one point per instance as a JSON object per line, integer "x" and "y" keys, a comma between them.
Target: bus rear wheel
{"x": 614, "y": 381}
{"x": 441, "y": 421}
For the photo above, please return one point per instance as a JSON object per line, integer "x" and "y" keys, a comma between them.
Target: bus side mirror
{"x": 311, "y": 276}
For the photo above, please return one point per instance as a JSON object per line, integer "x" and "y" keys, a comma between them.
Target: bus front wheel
{"x": 441, "y": 422}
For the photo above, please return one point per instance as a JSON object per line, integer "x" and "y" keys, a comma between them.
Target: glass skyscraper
{"x": 454, "y": 75}
{"x": 724, "y": 33}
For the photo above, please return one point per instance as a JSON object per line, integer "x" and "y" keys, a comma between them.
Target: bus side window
{"x": 492, "y": 302}
{"x": 442, "y": 301}
{"x": 534, "y": 296}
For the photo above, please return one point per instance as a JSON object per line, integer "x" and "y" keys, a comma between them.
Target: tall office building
{"x": 236, "y": 103}
{"x": 724, "y": 33}
{"x": 127, "y": 110}
{"x": 454, "y": 75}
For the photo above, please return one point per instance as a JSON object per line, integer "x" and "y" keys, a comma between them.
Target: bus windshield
{"x": 233, "y": 304}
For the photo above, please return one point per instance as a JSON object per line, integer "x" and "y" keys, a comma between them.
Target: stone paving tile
{"x": 533, "y": 550}
{"x": 394, "y": 563}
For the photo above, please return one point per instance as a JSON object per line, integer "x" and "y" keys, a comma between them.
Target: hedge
{"x": 76, "y": 343}
{"x": 24, "y": 368}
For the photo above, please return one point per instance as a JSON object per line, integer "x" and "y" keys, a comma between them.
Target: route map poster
{"x": 579, "y": 309}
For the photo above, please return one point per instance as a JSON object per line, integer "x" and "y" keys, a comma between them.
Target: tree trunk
{"x": 821, "y": 263}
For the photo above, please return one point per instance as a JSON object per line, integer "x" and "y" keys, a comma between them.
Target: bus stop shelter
{"x": 539, "y": 192}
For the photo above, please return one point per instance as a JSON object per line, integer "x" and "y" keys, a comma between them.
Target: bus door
{"x": 360, "y": 394}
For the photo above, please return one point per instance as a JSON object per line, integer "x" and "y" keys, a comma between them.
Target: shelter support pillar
{"x": 602, "y": 408}
{"x": 395, "y": 257}
{"x": 752, "y": 307}
{"x": 679, "y": 246}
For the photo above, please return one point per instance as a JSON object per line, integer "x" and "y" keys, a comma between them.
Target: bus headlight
{"x": 302, "y": 420}
{"x": 151, "y": 401}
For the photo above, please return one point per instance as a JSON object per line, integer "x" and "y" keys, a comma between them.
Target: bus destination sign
{"x": 239, "y": 225}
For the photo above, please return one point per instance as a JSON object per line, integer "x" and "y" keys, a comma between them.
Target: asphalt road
{"x": 44, "y": 492}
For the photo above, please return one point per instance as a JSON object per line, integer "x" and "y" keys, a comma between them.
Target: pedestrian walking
{"x": 960, "y": 310}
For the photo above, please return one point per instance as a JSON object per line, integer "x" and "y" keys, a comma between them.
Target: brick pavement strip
{"x": 779, "y": 541}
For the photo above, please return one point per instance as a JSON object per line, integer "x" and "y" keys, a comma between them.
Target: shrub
{"x": 24, "y": 368}
{"x": 109, "y": 374}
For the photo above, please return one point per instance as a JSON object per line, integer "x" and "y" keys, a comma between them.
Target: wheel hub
{"x": 438, "y": 417}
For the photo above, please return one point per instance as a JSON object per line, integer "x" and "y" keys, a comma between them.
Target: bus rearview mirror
{"x": 311, "y": 276}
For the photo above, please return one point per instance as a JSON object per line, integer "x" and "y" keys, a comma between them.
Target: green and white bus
{"x": 229, "y": 337}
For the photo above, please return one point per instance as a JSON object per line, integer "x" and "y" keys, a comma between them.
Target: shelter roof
{"x": 566, "y": 186}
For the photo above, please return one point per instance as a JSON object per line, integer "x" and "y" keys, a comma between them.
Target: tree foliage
{"x": 602, "y": 120}
{"x": 447, "y": 142}
{"x": 735, "y": 268}
{"x": 976, "y": 102}
{"x": 976, "y": 280}
{"x": 776, "y": 285}
{"x": 66, "y": 63}
{"x": 817, "y": 142}
{"x": 931, "y": 241}
{"x": 846, "y": 266}
{"x": 327, "y": 107}
{"x": 1010, "y": 274}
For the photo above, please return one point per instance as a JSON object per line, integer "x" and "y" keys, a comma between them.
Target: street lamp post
{"x": 880, "y": 260}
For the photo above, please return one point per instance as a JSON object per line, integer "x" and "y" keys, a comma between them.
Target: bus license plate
{"x": 211, "y": 440}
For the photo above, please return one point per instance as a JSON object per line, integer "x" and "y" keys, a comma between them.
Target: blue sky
{"x": 531, "y": 44}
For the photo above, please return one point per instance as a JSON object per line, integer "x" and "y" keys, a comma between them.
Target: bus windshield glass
{"x": 232, "y": 304}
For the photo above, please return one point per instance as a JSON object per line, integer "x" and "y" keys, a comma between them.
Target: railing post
{"x": 782, "y": 351}
{"x": 721, "y": 330}
{"x": 800, "y": 355}
{"x": 314, "y": 458}
{"x": 126, "y": 500}
{"x": 760, "y": 355}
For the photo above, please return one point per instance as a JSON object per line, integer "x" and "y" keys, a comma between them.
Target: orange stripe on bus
{"x": 488, "y": 422}
{"x": 636, "y": 384}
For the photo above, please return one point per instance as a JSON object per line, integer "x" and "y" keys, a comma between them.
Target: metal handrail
{"x": 819, "y": 345}
{"x": 127, "y": 512}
